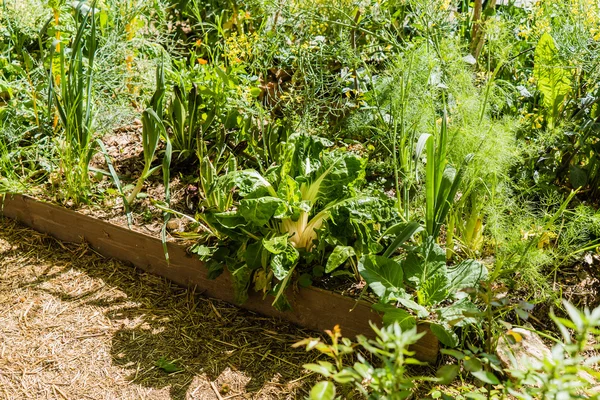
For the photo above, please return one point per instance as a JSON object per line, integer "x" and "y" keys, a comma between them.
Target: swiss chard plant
{"x": 420, "y": 286}
{"x": 298, "y": 210}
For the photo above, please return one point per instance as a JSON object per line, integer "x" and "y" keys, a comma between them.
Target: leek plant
{"x": 152, "y": 130}
{"x": 442, "y": 180}
{"x": 73, "y": 101}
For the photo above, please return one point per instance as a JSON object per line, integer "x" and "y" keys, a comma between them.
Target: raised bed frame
{"x": 313, "y": 308}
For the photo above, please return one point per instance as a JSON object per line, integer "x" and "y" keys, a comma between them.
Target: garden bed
{"x": 312, "y": 308}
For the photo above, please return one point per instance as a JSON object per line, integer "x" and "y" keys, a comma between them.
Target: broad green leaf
{"x": 552, "y": 77}
{"x": 434, "y": 290}
{"x": 276, "y": 244}
{"x": 423, "y": 262}
{"x": 447, "y": 373}
{"x": 250, "y": 184}
{"x": 383, "y": 275}
{"x": 421, "y": 311}
{"x": 338, "y": 256}
{"x": 240, "y": 275}
{"x": 282, "y": 263}
{"x": 578, "y": 177}
{"x": 445, "y": 334}
{"x": 403, "y": 318}
{"x": 459, "y": 313}
{"x": 230, "y": 219}
{"x": 335, "y": 177}
{"x": 253, "y": 255}
{"x": 466, "y": 274}
{"x": 259, "y": 211}
{"x": 167, "y": 366}
{"x": 323, "y": 391}
{"x": 486, "y": 377}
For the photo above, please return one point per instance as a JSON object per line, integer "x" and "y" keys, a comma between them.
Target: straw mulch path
{"x": 75, "y": 325}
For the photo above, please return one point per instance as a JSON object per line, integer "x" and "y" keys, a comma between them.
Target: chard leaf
{"x": 253, "y": 255}
{"x": 240, "y": 275}
{"x": 250, "y": 184}
{"x": 276, "y": 244}
{"x": 334, "y": 179}
{"x": 383, "y": 275}
{"x": 338, "y": 257}
{"x": 403, "y": 232}
{"x": 283, "y": 263}
{"x": 553, "y": 79}
{"x": 434, "y": 290}
{"x": 466, "y": 274}
{"x": 230, "y": 219}
{"x": 423, "y": 262}
{"x": 260, "y": 211}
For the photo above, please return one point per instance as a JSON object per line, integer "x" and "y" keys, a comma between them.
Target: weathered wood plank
{"x": 313, "y": 308}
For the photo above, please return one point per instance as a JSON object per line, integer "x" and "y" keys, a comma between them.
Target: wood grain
{"x": 312, "y": 308}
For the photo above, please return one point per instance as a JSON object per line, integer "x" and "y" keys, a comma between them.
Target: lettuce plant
{"x": 279, "y": 216}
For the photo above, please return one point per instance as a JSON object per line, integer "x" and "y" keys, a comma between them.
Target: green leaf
{"x": 460, "y": 313}
{"x": 434, "y": 290}
{"x": 553, "y": 79}
{"x": 282, "y": 263}
{"x": 240, "y": 275}
{"x": 578, "y": 177}
{"x": 250, "y": 184}
{"x": 338, "y": 256}
{"x": 323, "y": 391}
{"x": 445, "y": 334}
{"x": 305, "y": 280}
{"x": 466, "y": 274}
{"x": 276, "y": 244}
{"x": 423, "y": 262}
{"x": 383, "y": 275}
{"x": 403, "y": 231}
{"x": 203, "y": 252}
{"x": 472, "y": 364}
{"x": 259, "y": 211}
{"x": 447, "y": 373}
{"x": 402, "y": 317}
{"x": 320, "y": 369}
{"x": 253, "y": 255}
{"x": 486, "y": 377}
{"x": 167, "y": 366}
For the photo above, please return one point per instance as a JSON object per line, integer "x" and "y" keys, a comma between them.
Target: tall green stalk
{"x": 73, "y": 101}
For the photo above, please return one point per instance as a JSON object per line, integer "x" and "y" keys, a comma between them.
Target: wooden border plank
{"x": 313, "y": 308}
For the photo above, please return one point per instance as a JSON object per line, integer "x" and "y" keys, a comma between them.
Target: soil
{"x": 75, "y": 325}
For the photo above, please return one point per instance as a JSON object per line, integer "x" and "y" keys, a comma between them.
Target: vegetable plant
{"x": 422, "y": 283}
{"x": 152, "y": 130}
{"x": 278, "y": 217}
{"x": 73, "y": 101}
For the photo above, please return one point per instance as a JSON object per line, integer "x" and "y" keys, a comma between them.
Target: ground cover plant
{"x": 438, "y": 159}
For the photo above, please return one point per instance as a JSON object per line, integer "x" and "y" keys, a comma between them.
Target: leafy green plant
{"x": 567, "y": 372}
{"x": 278, "y": 216}
{"x": 442, "y": 181}
{"x": 386, "y": 379}
{"x": 152, "y": 131}
{"x": 74, "y": 103}
{"x": 553, "y": 79}
{"x": 185, "y": 120}
{"x": 424, "y": 284}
